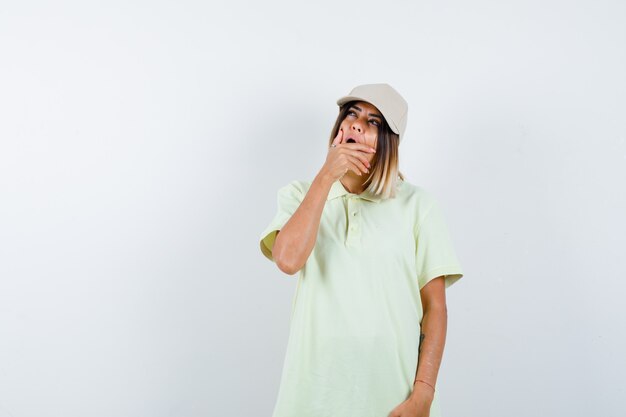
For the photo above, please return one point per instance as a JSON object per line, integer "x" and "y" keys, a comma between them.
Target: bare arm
{"x": 432, "y": 339}
{"x": 295, "y": 241}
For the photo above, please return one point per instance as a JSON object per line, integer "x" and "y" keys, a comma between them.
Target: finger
{"x": 351, "y": 164}
{"x": 361, "y": 147}
{"x": 339, "y": 138}
{"x": 354, "y": 168}
{"x": 360, "y": 156}
{"x": 362, "y": 166}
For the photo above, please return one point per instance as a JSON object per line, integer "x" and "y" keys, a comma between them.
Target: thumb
{"x": 339, "y": 138}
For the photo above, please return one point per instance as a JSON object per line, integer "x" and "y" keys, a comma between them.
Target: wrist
{"x": 324, "y": 177}
{"x": 423, "y": 391}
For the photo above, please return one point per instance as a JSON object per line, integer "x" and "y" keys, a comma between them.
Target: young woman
{"x": 373, "y": 257}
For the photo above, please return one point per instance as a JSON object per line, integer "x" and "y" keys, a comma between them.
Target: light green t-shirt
{"x": 356, "y": 313}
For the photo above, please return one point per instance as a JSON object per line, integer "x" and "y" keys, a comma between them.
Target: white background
{"x": 142, "y": 145}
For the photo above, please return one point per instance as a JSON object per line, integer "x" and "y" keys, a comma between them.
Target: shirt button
{"x": 354, "y": 213}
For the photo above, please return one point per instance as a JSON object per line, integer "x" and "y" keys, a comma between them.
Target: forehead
{"x": 364, "y": 105}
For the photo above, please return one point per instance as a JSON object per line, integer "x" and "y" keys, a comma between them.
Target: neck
{"x": 353, "y": 183}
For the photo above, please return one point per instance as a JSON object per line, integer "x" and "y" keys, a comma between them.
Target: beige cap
{"x": 390, "y": 103}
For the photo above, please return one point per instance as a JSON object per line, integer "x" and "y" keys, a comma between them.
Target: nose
{"x": 356, "y": 126}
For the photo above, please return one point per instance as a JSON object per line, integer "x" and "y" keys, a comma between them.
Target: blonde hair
{"x": 385, "y": 170}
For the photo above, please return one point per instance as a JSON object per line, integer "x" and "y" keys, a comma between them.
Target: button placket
{"x": 354, "y": 226}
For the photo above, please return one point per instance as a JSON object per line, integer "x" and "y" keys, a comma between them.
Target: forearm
{"x": 432, "y": 342}
{"x": 295, "y": 241}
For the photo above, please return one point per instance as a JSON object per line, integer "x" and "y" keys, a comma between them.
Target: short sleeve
{"x": 434, "y": 253}
{"x": 288, "y": 200}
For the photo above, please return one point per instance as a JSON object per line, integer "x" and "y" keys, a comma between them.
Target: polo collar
{"x": 338, "y": 190}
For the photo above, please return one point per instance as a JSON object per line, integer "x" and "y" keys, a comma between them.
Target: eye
{"x": 374, "y": 121}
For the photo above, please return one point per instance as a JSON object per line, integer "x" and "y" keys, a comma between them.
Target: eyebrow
{"x": 370, "y": 114}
